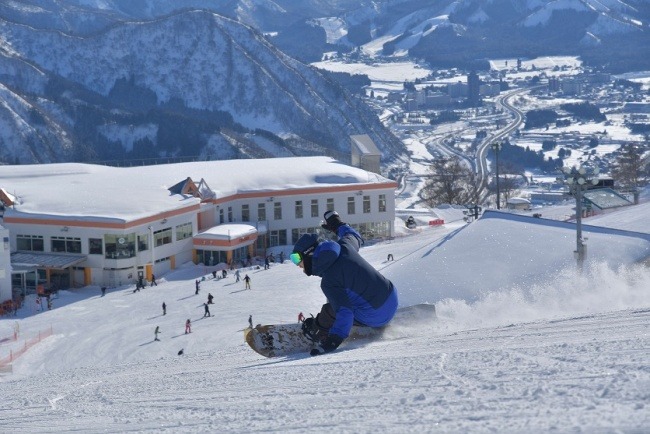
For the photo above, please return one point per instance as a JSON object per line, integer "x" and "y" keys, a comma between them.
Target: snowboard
{"x": 276, "y": 340}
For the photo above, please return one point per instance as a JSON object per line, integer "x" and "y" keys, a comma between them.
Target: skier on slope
{"x": 356, "y": 292}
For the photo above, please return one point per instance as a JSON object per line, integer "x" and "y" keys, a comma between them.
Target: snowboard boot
{"x": 313, "y": 331}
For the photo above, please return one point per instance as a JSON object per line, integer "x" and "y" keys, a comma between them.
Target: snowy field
{"x": 523, "y": 343}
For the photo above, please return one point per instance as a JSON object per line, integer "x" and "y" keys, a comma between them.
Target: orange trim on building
{"x": 98, "y": 224}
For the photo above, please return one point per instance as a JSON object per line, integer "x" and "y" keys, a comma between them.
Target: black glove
{"x": 332, "y": 221}
{"x": 330, "y": 344}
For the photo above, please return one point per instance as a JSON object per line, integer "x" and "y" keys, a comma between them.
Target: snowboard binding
{"x": 311, "y": 330}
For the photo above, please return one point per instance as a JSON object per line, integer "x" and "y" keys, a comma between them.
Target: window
{"x": 119, "y": 246}
{"x": 298, "y": 209}
{"x": 314, "y": 208}
{"x": 278, "y": 238}
{"x": 143, "y": 242}
{"x": 33, "y": 243}
{"x": 382, "y": 203}
{"x": 162, "y": 237}
{"x": 65, "y": 244}
{"x": 95, "y": 246}
{"x": 297, "y": 233}
{"x": 183, "y": 231}
{"x": 329, "y": 206}
{"x": 351, "y": 207}
{"x": 277, "y": 211}
{"x": 229, "y": 214}
{"x": 261, "y": 212}
{"x": 245, "y": 213}
{"x": 366, "y": 204}
{"x": 221, "y": 217}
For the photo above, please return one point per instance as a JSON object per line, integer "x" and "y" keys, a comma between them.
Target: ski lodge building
{"x": 72, "y": 224}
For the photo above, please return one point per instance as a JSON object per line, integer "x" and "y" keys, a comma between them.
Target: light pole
{"x": 496, "y": 147}
{"x": 578, "y": 179}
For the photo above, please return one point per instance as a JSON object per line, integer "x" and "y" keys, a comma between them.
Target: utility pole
{"x": 496, "y": 146}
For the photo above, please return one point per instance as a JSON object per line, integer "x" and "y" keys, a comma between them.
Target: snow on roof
{"x": 128, "y": 193}
{"x": 229, "y": 231}
{"x": 364, "y": 144}
{"x": 518, "y": 200}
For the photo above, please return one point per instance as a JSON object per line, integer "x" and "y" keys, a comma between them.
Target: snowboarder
{"x": 250, "y": 321}
{"x": 248, "y": 281}
{"x": 197, "y": 282}
{"x": 153, "y": 280}
{"x": 355, "y": 291}
{"x": 207, "y": 310}
{"x": 188, "y": 326}
{"x": 301, "y": 317}
{"x": 156, "y": 333}
{"x": 164, "y": 306}
{"x": 266, "y": 263}
{"x": 210, "y": 297}
{"x": 237, "y": 275}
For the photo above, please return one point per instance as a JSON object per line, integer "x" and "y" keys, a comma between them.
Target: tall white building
{"x": 5, "y": 265}
{"x": 81, "y": 224}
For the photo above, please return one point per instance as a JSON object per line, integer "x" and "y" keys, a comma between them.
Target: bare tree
{"x": 508, "y": 181}
{"x": 451, "y": 181}
{"x": 630, "y": 170}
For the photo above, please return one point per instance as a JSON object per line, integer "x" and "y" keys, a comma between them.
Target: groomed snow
{"x": 538, "y": 350}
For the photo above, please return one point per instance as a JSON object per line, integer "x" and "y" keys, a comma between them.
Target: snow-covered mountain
{"x": 192, "y": 83}
{"x": 460, "y": 32}
{"x": 93, "y": 80}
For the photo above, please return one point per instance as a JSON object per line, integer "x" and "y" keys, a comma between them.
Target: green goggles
{"x": 296, "y": 258}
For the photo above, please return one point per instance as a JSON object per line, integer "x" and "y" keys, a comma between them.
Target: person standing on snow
{"x": 207, "y": 310}
{"x": 248, "y": 281}
{"x": 356, "y": 292}
{"x": 188, "y": 326}
{"x": 164, "y": 306}
{"x": 156, "y": 333}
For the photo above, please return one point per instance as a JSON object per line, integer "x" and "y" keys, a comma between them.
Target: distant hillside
{"x": 190, "y": 84}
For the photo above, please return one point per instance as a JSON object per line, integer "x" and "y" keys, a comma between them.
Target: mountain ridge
{"x": 249, "y": 78}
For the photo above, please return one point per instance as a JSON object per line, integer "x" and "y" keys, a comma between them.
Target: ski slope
{"x": 558, "y": 351}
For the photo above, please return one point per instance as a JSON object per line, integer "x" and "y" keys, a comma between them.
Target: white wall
{"x": 5, "y": 265}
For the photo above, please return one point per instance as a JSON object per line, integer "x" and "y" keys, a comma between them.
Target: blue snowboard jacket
{"x": 353, "y": 287}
